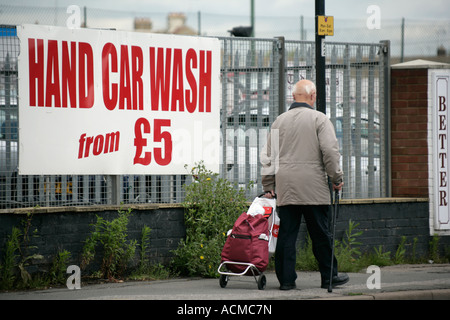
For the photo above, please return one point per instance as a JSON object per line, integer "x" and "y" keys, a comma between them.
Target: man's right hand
{"x": 269, "y": 194}
{"x": 338, "y": 186}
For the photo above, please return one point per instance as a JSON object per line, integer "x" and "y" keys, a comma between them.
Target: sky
{"x": 344, "y": 9}
{"x": 427, "y": 22}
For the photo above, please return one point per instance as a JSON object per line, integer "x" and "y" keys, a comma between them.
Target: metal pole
{"x": 199, "y": 21}
{"x": 302, "y": 30}
{"x": 386, "y": 56}
{"x": 85, "y": 16}
{"x": 281, "y": 75}
{"x": 403, "y": 41}
{"x": 320, "y": 60}
{"x": 252, "y": 17}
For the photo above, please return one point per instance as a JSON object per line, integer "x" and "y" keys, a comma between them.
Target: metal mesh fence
{"x": 355, "y": 99}
{"x": 256, "y": 76}
{"x": 9, "y": 49}
{"x": 355, "y": 104}
{"x": 250, "y": 77}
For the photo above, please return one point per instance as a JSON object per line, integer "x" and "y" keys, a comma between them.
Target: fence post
{"x": 281, "y": 75}
{"x": 386, "y": 52}
{"x": 115, "y": 189}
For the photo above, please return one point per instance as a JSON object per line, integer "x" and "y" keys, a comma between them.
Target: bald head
{"x": 305, "y": 91}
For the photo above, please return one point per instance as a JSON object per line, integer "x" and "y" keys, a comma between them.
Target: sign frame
{"x": 439, "y": 150}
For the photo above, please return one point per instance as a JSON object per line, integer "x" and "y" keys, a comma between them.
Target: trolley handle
{"x": 264, "y": 193}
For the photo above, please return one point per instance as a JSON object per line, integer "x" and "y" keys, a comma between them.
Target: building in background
{"x": 176, "y": 24}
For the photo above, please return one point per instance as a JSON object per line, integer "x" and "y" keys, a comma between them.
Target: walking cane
{"x": 334, "y": 217}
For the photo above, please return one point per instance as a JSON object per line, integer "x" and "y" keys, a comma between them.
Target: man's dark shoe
{"x": 288, "y": 286}
{"x": 337, "y": 281}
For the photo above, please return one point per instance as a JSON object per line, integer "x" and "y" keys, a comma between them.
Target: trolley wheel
{"x": 262, "y": 282}
{"x": 223, "y": 280}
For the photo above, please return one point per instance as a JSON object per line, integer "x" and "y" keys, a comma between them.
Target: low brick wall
{"x": 66, "y": 228}
{"x": 383, "y": 222}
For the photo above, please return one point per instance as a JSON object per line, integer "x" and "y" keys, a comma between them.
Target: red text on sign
{"x": 128, "y": 93}
{"x": 51, "y": 87}
{"x": 168, "y": 73}
{"x": 98, "y": 144}
{"x": 443, "y": 150}
{"x": 141, "y": 128}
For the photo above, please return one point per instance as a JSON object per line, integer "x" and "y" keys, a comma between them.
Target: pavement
{"x": 399, "y": 282}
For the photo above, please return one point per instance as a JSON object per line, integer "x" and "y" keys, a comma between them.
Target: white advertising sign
{"x": 113, "y": 102}
{"x": 440, "y": 81}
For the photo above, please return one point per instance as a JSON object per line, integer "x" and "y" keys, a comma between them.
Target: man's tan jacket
{"x": 301, "y": 150}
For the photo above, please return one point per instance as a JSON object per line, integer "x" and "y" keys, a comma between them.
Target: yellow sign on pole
{"x": 325, "y": 25}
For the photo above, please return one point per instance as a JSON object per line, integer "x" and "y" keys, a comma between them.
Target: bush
{"x": 212, "y": 205}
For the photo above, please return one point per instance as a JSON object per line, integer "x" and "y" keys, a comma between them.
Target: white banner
{"x": 112, "y": 102}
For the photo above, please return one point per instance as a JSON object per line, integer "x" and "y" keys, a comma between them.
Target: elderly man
{"x": 301, "y": 151}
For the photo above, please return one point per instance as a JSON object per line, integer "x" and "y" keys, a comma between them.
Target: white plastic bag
{"x": 255, "y": 209}
{"x": 274, "y": 223}
{"x": 261, "y": 205}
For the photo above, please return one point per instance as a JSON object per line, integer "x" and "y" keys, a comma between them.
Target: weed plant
{"x": 57, "y": 273}
{"x": 146, "y": 270}
{"x": 117, "y": 249}
{"x": 18, "y": 256}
